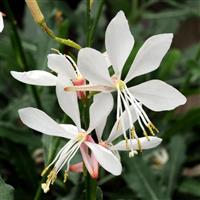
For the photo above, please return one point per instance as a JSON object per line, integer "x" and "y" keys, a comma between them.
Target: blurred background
{"x": 171, "y": 171}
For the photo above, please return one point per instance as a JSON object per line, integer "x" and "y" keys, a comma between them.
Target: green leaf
{"x": 171, "y": 172}
{"x": 169, "y": 63}
{"x": 190, "y": 186}
{"x": 6, "y": 191}
{"x": 140, "y": 178}
{"x": 19, "y": 135}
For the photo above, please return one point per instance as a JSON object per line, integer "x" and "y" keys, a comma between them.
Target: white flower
{"x": 39, "y": 121}
{"x": 1, "y": 22}
{"x": 154, "y": 94}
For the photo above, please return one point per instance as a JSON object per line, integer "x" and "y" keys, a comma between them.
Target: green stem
{"x": 91, "y": 187}
{"x": 20, "y": 50}
{"x": 88, "y": 20}
{"x": 63, "y": 41}
{"x": 96, "y": 20}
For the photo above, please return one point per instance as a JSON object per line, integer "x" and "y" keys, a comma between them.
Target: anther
{"x": 65, "y": 176}
{"x": 146, "y": 135}
{"x": 45, "y": 171}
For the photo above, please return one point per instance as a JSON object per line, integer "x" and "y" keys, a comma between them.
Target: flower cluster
{"x": 91, "y": 73}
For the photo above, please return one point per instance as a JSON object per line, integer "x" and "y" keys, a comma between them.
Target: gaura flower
{"x": 1, "y": 22}
{"x": 57, "y": 63}
{"x": 79, "y": 138}
{"x": 154, "y": 94}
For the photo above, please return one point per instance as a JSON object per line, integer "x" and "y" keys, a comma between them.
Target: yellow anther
{"x": 133, "y": 133}
{"x": 150, "y": 129}
{"x": 50, "y": 180}
{"x": 45, "y": 171}
{"x": 65, "y": 176}
{"x": 120, "y": 85}
{"x": 126, "y": 139}
{"x": 139, "y": 145}
{"x": 146, "y": 135}
{"x": 153, "y": 127}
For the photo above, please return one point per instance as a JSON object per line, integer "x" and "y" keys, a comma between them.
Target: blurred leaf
{"x": 169, "y": 63}
{"x": 19, "y": 135}
{"x": 185, "y": 122}
{"x": 190, "y": 186}
{"x": 6, "y": 191}
{"x": 140, "y": 178}
{"x": 99, "y": 193}
{"x": 171, "y": 172}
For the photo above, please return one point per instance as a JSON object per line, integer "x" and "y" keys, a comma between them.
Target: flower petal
{"x": 100, "y": 109}
{"x": 1, "y": 22}
{"x": 107, "y": 59}
{"x": 93, "y": 66}
{"x": 67, "y": 100}
{"x": 59, "y": 64}
{"x": 106, "y": 158}
{"x": 119, "y": 41}
{"x": 41, "y": 122}
{"x": 145, "y": 144}
{"x": 35, "y": 77}
{"x": 158, "y": 95}
{"x": 117, "y": 129}
{"x": 71, "y": 130}
{"x": 150, "y": 55}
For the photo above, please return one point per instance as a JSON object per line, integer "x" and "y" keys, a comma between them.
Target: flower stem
{"x": 96, "y": 20}
{"x": 40, "y": 20}
{"x": 91, "y": 187}
{"x": 20, "y": 50}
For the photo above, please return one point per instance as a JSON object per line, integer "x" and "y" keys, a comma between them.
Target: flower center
{"x": 82, "y": 136}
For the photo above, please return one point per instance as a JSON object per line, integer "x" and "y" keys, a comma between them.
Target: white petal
{"x": 1, "y": 22}
{"x": 117, "y": 128}
{"x": 100, "y": 128}
{"x": 35, "y": 77}
{"x": 100, "y": 109}
{"x": 59, "y": 64}
{"x": 107, "y": 59}
{"x": 71, "y": 130}
{"x": 106, "y": 158}
{"x": 145, "y": 144}
{"x": 67, "y": 100}
{"x": 158, "y": 95}
{"x": 93, "y": 66}
{"x": 41, "y": 122}
{"x": 119, "y": 41}
{"x": 150, "y": 55}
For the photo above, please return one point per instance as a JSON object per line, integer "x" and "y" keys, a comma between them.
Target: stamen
{"x": 65, "y": 176}
{"x": 50, "y": 180}
{"x": 139, "y": 145}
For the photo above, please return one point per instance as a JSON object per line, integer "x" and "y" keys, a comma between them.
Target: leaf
{"x": 171, "y": 172}
{"x": 19, "y": 135}
{"x": 6, "y": 191}
{"x": 169, "y": 63}
{"x": 140, "y": 178}
{"x": 190, "y": 186}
